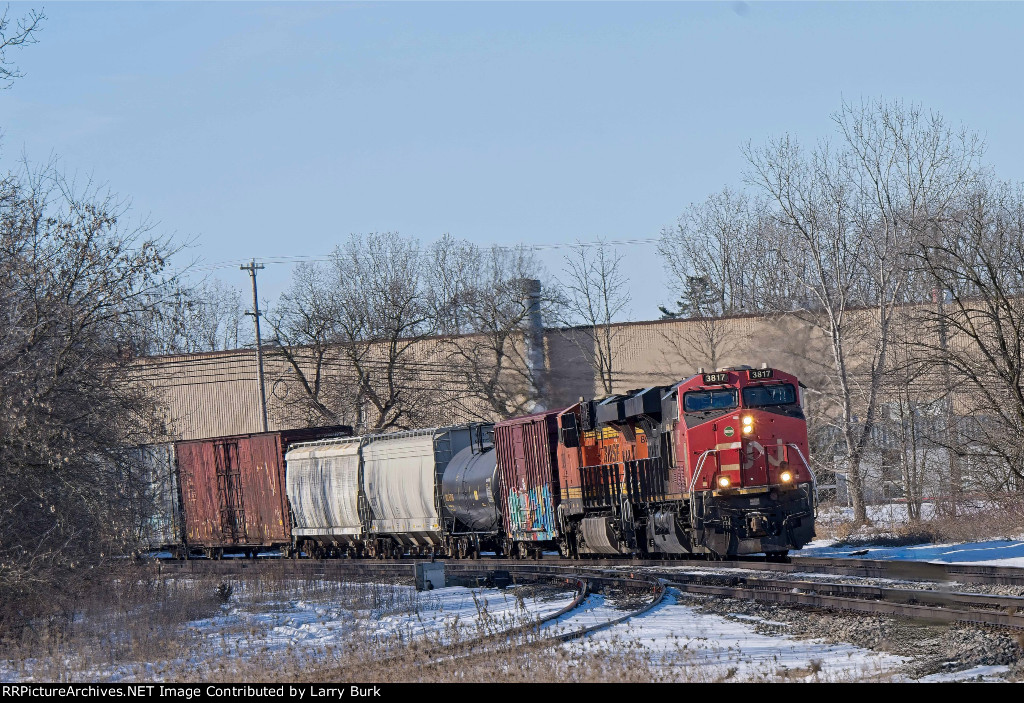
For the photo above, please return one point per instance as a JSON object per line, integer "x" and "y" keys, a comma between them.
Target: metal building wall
{"x": 217, "y": 394}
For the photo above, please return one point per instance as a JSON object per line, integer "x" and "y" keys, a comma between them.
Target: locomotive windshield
{"x": 758, "y": 396}
{"x": 698, "y": 401}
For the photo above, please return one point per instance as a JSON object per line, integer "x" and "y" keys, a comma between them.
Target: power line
{"x": 252, "y": 268}
{"x": 321, "y": 258}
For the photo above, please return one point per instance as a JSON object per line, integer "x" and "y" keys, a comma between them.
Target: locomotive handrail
{"x": 693, "y": 483}
{"x": 814, "y": 479}
{"x": 700, "y": 467}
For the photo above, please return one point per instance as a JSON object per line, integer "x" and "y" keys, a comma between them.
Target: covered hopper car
{"x": 420, "y": 492}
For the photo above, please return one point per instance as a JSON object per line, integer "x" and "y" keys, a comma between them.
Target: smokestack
{"x": 534, "y": 333}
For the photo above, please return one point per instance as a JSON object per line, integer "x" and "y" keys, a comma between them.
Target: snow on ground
{"x": 594, "y": 609}
{"x": 306, "y": 629}
{"x": 992, "y": 552}
{"x": 712, "y": 646}
{"x": 883, "y": 514}
{"x": 677, "y": 637}
{"x": 313, "y": 624}
{"x": 978, "y": 673}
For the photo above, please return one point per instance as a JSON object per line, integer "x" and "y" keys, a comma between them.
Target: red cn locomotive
{"x": 716, "y": 464}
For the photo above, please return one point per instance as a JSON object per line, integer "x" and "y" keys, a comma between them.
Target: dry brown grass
{"x": 150, "y": 628}
{"x": 978, "y": 519}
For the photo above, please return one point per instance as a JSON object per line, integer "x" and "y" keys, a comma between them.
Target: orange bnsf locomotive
{"x": 715, "y": 464}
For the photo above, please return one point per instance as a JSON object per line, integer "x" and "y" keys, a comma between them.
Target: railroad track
{"x": 584, "y": 584}
{"x": 712, "y": 579}
{"x": 585, "y": 587}
{"x": 919, "y": 604}
{"x": 858, "y": 568}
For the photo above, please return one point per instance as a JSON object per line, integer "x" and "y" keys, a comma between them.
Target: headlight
{"x": 786, "y": 477}
{"x": 747, "y": 429}
{"x": 724, "y": 482}
{"x": 748, "y": 420}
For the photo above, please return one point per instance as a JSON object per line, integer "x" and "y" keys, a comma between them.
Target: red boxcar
{"x": 233, "y": 489}
{"x": 528, "y": 478}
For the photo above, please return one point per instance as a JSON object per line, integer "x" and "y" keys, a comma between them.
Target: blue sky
{"x": 275, "y": 129}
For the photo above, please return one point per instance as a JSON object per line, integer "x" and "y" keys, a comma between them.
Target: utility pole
{"x": 252, "y": 268}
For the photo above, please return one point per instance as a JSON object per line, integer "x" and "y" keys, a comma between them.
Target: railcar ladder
{"x": 442, "y": 457}
{"x": 229, "y": 492}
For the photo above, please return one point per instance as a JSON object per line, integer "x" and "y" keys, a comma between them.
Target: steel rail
{"x": 884, "y": 607}
{"x": 407, "y": 569}
{"x": 859, "y": 568}
{"x": 920, "y": 604}
{"x": 656, "y": 586}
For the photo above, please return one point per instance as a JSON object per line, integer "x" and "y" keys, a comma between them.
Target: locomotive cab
{"x": 750, "y": 487}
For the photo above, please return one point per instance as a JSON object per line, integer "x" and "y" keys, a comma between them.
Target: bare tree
{"x": 22, "y": 32}
{"x": 708, "y": 255}
{"x": 306, "y": 327}
{"x": 596, "y": 294}
{"x": 75, "y": 278}
{"x": 854, "y": 214}
{"x": 186, "y": 319}
{"x": 383, "y": 314}
{"x": 349, "y": 332}
{"x": 713, "y": 256}
{"x": 976, "y": 332}
{"x": 483, "y": 309}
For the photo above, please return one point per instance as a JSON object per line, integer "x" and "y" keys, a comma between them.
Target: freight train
{"x": 715, "y": 464}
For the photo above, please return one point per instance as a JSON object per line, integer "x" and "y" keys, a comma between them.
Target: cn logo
{"x": 755, "y": 450}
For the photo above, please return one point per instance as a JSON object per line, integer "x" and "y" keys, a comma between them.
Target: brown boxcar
{"x": 528, "y": 480}
{"x": 233, "y": 489}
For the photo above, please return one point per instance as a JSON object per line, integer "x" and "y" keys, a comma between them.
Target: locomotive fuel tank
{"x": 469, "y": 487}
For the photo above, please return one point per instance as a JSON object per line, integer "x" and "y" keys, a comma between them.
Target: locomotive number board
{"x": 758, "y": 374}
{"x": 715, "y": 378}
